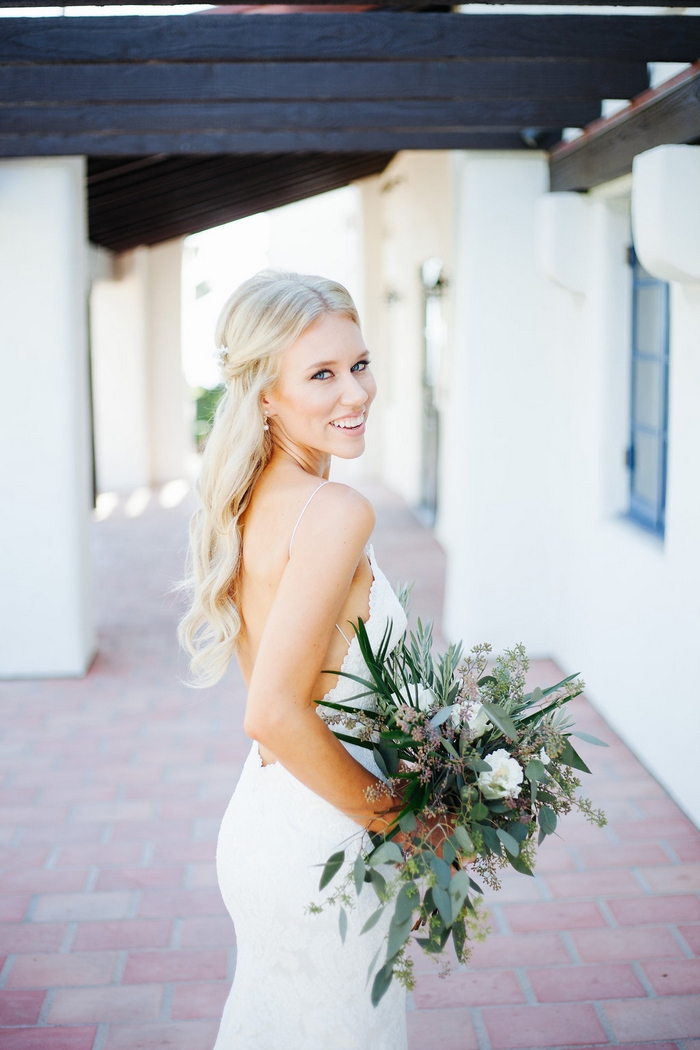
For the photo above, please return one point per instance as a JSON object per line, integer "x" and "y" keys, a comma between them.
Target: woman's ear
{"x": 266, "y": 403}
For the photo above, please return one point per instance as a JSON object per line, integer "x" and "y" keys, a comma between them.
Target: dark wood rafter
{"x": 379, "y": 36}
{"x": 204, "y": 142}
{"x": 303, "y": 117}
{"x": 295, "y": 80}
{"x": 668, "y": 114}
{"x": 145, "y": 200}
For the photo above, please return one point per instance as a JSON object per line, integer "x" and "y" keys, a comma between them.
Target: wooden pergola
{"x": 195, "y": 120}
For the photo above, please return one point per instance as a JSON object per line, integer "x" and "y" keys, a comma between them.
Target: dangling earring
{"x": 266, "y": 425}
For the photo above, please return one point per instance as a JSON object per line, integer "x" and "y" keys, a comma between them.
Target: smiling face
{"x": 320, "y": 403}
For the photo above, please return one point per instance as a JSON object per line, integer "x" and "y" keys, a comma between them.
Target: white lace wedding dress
{"x": 297, "y": 986}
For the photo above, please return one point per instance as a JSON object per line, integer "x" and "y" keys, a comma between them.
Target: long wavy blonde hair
{"x": 264, "y": 315}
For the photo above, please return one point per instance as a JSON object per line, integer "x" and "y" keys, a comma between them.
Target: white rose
{"x": 473, "y": 715}
{"x": 425, "y": 699}
{"x": 504, "y": 778}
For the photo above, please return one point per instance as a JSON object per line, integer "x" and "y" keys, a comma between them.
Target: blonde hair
{"x": 266, "y": 314}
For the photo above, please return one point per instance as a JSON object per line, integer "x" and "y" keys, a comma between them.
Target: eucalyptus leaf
{"x": 517, "y": 830}
{"x": 500, "y": 719}
{"x": 373, "y": 920}
{"x": 459, "y": 937}
{"x": 428, "y": 944}
{"x": 378, "y": 882}
{"x": 491, "y": 839}
{"x": 343, "y": 924}
{"x": 520, "y": 865}
{"x": 372, "y": 964}
{"x": 381, "y": 983}
{"x": 443, "y": 904}
{"x": 535, "y": 770}
{"x": 462, "y": 836}
{"x": 331, "y": 868}
{"x": 442, "y": 715}
{"x": 449, "y": 853}
{"x": 398, "y": 932}
{"x": 477, "y": 764}
{"x": 459, "y": 889}
{"x": 547, "y": 820}
{"x": 479, "y": 811}
{"x": 408, "y": 823}
{"x": 407, "y": 901}
{"x": 590, "y": 739}
{"x": 449, "y": 747}
{"x": 441, "y": 871}
{"x": 509, "y": 842}
{"x": 379, "y": 759}
{"x": 359, "y": 870}
{"x": 386, "y": 853}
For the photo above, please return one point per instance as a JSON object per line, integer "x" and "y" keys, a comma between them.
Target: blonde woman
{"x": 281, "y": 568}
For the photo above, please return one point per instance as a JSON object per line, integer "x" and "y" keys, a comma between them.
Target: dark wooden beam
{"x": 239, "y": 81}
{"x": 668, "y": 114}
{"x": 203, "y": 142}
{"x": 432, "y": 115}
{"x": 151, "y": 199}
{"x": 377, "y": 35}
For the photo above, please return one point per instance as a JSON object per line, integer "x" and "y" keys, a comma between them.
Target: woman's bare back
{"x": 280, "y": 497}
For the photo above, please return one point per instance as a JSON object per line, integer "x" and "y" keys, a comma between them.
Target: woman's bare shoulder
{"x": 337, "y": 515}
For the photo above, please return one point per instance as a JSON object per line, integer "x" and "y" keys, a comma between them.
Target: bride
{"x": 281, "y": 568}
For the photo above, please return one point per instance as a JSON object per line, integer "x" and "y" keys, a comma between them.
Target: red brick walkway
{"x": 114, "y": 935}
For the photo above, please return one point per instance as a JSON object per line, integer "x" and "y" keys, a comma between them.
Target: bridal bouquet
{"x": 482, "y": 770}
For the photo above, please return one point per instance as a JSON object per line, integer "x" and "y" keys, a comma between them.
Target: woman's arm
{"x": 280, "y": 713}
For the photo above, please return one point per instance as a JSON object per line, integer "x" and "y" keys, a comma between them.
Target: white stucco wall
{"x": 46, "y": 626}
{"x": 407, "y": 220}
{"x": 498, "y": 459}
{"x": 539, "y": 549}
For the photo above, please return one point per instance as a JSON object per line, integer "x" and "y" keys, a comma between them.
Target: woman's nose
{"x": 354, "y": 392}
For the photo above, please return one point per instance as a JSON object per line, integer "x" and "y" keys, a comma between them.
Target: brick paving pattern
{"x": 113, "y": 935}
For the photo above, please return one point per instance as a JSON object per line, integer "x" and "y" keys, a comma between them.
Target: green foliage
{"x": 432, "y": 722}
{"x": 205, "y": 407}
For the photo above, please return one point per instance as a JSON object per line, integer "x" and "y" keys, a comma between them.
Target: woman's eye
{"x": 322, "y": 374}
{"x": 360, "y": 366}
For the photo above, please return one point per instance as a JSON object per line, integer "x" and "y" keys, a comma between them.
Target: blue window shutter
{"x": 647, "y": 453}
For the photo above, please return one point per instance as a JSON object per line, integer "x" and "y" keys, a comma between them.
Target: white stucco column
{"x": 118, "y": 322}
{"x": 170, "y": 423}
{"x": 45, "y": 462}
{"x": 142, "y": 431}
{"x": 498, "y": 453}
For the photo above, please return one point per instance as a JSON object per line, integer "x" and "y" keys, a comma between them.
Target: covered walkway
{"x": 114, "y": 935}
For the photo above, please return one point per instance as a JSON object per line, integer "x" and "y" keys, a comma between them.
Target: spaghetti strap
{"x": 325, "y": 482}
{"x": 343, "y": 634}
